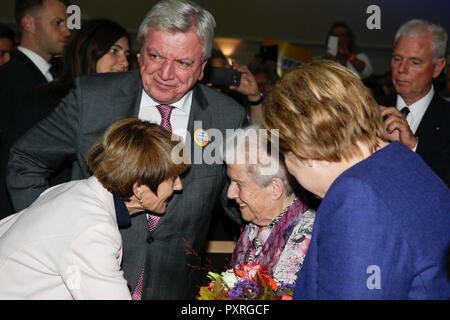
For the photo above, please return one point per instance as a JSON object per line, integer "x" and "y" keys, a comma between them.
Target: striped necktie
{"x": 165, "y": 111}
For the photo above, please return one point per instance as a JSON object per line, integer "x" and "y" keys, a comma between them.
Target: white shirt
{"x": 38, "y": 61}
{"x": 417, "y": 109}
{"x": 368, "y": 69}
{"x": 179, "y": 117}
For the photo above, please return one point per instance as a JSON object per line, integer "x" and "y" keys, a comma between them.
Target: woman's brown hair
{"x": 132, "y": 150}
{"x": 83, "y": 50}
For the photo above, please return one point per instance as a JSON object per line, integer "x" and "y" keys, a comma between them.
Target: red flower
{"x": 247, "y": 271}
{"x": 261, "y": 286}
{"x": 272, "y": 282}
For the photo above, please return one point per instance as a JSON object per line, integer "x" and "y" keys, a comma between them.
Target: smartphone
{"x": 222, "y": 76}
{"x": 333, "y": 45}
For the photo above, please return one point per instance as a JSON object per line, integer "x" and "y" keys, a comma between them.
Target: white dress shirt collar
{"x": 417, "y": 109}
{"x": 179, "y": 117}
{"x": 39, "y": 62}
{"x": 184, "y": 104}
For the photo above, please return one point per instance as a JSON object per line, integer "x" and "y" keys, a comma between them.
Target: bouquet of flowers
{"x": 249, "y": 282}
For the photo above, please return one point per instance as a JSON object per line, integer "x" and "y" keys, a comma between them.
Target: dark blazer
{"x": 81, "y": 118}
{"x": 381, "y": 232}
{"x": 433, "y": 133}
{"x": 18, "y": 78}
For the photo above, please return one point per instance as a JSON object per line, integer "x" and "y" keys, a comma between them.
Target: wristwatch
{"x": 257, "y": 102}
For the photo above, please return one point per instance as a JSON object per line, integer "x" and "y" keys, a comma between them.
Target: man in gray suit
{"x": 176, "y": 39}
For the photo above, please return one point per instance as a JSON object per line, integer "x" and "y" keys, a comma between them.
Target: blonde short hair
{"x": 323, "y": 111}
{"x": 132, "y": 150}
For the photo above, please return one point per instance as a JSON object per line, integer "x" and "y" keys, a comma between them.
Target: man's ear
{"x": 28, "y": 23}
{"x": 140, "y": 57}
{"x": 203, "y": 69}
{"x": 438, "y": 67}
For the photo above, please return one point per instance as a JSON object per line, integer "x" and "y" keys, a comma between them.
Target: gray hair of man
{"x": 249, "y": 147}
{"x": 180, "y": 16}
{"x": 418, "y": 28}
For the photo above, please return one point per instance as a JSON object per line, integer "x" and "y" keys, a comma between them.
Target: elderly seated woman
{"x": 67, "y": 244}
{"x": 280, "y": 224}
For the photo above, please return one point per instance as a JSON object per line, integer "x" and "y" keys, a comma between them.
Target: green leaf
{"x": 205, "y": 294}
{"x": 213, "y": 275}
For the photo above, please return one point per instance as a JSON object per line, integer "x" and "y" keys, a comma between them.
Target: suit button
{"x": 149, "y": 239}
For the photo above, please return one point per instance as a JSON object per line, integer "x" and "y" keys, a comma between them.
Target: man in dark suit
{"x": 420, "y": 119}
{"x": 176, "y": 39}
{"x": 43, "y": 33}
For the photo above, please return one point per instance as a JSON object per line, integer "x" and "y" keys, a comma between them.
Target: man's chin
{"x": 401, "y": 86}
{"x": 162, "y": 98}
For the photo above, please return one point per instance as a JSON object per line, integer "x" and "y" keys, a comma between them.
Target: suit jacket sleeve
{"x": 438, "y": 159}
{"x": 434, "y": 138}
{"x": 42, "y": 150}
{"x": 91, "y": 268}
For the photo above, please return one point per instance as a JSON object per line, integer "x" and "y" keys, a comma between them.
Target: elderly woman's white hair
{"x": 180, "y": 16}
{"x": 421, "y": 28}
{"x": 249, "y": 147}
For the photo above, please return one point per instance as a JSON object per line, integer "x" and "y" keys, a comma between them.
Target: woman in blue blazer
{"x": 383, "y": 227}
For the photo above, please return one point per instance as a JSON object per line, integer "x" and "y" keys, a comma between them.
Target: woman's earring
{"x": 140, "y": 200}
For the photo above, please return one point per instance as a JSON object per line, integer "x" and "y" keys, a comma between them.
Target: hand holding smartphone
{"x": 332, "y": 47}
{"x": 222, "y": 76}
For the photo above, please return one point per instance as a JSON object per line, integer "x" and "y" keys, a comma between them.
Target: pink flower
{"x": 286, "y": 297}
